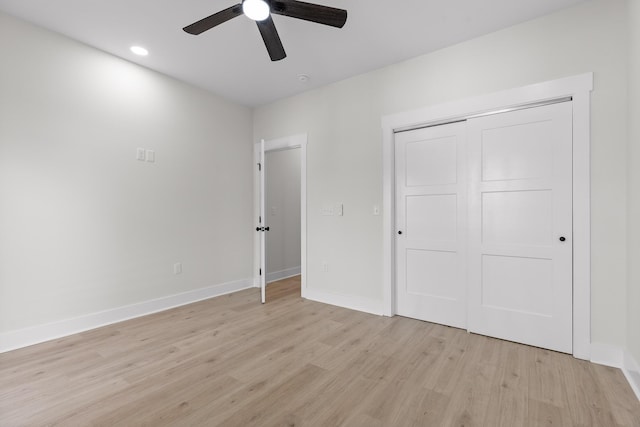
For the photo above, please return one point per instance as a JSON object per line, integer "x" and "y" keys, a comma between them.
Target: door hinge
{"x": 260, "y": 219}
{"x": 259, "y": 167}
{"x": 261, "y": 272}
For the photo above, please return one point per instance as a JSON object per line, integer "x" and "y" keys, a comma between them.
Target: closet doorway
{"x": 484, "y": 225}
{"x": 511, "y": 237}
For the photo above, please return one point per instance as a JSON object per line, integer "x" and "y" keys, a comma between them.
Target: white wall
{"x": 633, "y": 298}
{"x": 84, "y": 227}
{"x": 344, "y": 150}
{"x": 282, "y": 191}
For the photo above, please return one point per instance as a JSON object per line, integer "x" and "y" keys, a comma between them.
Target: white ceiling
{"x": 231, "y": 60}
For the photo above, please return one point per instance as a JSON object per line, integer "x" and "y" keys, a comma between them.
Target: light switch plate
{"x": 151, "y": 156}
{"x": 140, "y": 154}
{"x": 326, "y": 211}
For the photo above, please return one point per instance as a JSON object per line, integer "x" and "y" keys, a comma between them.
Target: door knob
{"x": 562, "y": 239}
{"x": 266, "y": 229}
{"x": 399, "y": 231}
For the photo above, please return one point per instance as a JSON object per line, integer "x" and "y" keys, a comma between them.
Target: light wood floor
{"x": 231, "y": 361}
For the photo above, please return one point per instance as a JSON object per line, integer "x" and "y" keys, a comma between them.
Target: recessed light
{"x": 303, "y": 78}
{"x": 139, "y": 50}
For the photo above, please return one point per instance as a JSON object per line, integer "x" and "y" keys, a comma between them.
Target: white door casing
{"x": 520, "y": 226}
{"x": 430, "y": 224}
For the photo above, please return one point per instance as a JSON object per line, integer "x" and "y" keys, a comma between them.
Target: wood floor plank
{"x": 469, "y": 398}
{"x": 258, "y": 410}
{"x": 231, "y": 361}
{"x": 621, "y": 400}
{"x": 431, "y": 409}
{"x": 508, "y": 404}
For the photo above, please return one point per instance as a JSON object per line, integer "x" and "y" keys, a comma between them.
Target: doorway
{"x": 280, "y": 209}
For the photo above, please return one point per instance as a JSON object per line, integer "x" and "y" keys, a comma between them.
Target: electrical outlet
{"x": 140, "y": 154}
{"x": 325, "y": 266}
{"x": 177, "y": 268}
{"x": 340, "y": 209}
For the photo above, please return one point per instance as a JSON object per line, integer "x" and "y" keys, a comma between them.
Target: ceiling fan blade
{"x": 310, "y": 12}
{"x": 216, "y": 19}
{"x": 271, "y": 39}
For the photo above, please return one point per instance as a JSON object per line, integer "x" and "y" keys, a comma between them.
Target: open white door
{"x": 262, "y": 227}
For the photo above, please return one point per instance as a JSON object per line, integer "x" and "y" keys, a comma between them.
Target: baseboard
{"x": 631, "y": 370}
{"x": 345, "y": 301}
{"x": 29, "y": 336}
{"x": 607, "y": 354}
{"x": 616, "y": 357}
{"x": 283, "y": 274}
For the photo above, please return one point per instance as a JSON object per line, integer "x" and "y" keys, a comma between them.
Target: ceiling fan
{"x": 261, "y": 10}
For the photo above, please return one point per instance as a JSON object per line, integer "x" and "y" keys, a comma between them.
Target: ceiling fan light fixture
{"x": 258, "y": 10}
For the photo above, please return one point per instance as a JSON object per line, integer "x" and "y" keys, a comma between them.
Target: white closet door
{"x": 431, "y": 222}
{"x": 520, "y": 224}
